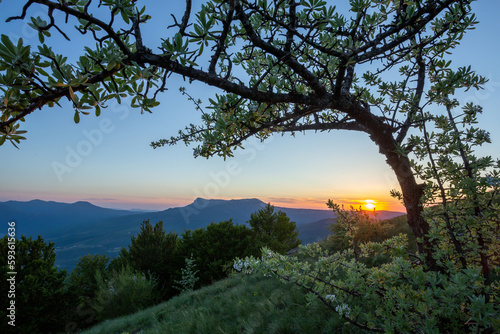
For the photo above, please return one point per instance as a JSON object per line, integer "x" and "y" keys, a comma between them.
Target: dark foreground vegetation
{"x": 165, "y": 269}
{"x": 252, "y": 303}
{"x": 154, "y": 268}
{"x": 381, "y": 68}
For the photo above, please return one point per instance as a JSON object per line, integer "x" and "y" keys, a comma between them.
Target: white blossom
{"x": 343, "y": 309}
{"x": 331, "y": 298}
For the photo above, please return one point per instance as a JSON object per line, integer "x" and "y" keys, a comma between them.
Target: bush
{"x": 125, "y": 292}
{"x": 274, "y": 230}
{"x": 213, "y": 249}
{"x": 188, "y": 276}
{"x": 82, "y": 280}
{"x": 150, "y": 252}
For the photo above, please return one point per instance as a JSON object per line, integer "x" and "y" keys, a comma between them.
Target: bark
{"x": 412, "y": 194}
{"x": 382, "y": 135}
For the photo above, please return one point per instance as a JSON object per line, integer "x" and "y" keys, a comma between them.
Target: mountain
{"x": 82, "y": 228}
{"x": 107, "y": 237}
{"x": 47, "y": 218}
{"x": 315, "y": 231}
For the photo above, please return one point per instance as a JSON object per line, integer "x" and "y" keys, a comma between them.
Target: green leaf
{"x": 41, "y": 38}
{"x": 7, "y": 42}
{"x": 76, "y": 118}
{"x": 178, "y": 41}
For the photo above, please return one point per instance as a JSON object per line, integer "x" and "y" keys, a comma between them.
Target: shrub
{"x": 213, "y": 249}
{"x": 189, "y": 276}
{"x": 82, "y": 280}
{"x": 274, "y": 230}
{"x": 125, "y": 292}
{"x": 150, "y": 252}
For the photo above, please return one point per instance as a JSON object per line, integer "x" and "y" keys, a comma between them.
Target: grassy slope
{"x": 240, "y": 304}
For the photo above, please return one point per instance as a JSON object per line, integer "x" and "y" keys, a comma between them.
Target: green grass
{"x": 240, "y": 304}
{"x": 243, "y": 304}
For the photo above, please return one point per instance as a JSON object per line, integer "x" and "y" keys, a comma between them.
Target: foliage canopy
{"x": 82, "y": 279}
{"x": 294, "y": 66}
{"x": 213, "y": 249}
{"x": 274, "y": 230}
{"x": 151, "y": 253}
{"x": 282, "y": 66}
{"x": 42, "y": 302}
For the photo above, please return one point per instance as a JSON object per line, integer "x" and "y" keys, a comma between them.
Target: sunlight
{"x": 369, "y": 204}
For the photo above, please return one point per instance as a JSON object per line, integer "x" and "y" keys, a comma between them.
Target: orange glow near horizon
{"x": 161, "y": 203}
{"x": 369, "y": 204}
{"x": 380, "y": 204}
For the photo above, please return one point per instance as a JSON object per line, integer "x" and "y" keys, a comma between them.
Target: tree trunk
{"x": 412, "y": 195}
{"x": 382, "y": 136}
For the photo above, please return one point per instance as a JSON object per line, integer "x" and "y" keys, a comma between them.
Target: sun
{"x": 369, "y": 204}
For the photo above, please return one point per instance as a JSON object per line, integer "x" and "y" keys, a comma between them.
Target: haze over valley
{"x": 81, "y": 228}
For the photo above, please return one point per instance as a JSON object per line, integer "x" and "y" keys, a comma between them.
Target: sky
{"x": 107, "y": 160}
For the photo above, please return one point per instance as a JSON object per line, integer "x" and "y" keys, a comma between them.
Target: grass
{"x": 239, "y": 304}
{"x": 243, "y": 304}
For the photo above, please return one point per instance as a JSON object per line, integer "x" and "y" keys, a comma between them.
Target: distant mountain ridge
{"x": 42, "y": 217}
{"x": 83, "y": 228}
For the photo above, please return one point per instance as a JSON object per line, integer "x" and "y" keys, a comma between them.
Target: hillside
{"x": 240, "y": 304}
{"x": 315, "y": 231}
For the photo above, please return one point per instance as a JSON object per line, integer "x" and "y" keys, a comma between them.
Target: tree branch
{"x": 291, "y": 62}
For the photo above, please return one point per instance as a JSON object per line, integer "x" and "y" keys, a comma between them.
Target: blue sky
{"x": 114, "y": 166}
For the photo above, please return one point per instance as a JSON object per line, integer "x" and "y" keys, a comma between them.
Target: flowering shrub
{"x": 452, "y": 283}
{"x": 399, "y": 296}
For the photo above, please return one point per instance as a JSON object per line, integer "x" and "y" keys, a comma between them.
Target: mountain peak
{"x": 200, "y": 200}
{"x": 83, "y": 203}
{"x": 203, "y": 202}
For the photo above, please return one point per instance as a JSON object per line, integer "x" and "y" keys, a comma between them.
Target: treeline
{"x": 155, "y": 267}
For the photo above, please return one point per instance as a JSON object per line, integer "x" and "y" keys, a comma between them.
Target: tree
{"x": 213, "y": 249}
{"x": 274, "y": 230}
{"x": 83, "y": 284}
{"x": 402, "y": 294}
{"x": 82, "y": 280}
{"x": 42, "y": 302}
{"x": 287, "y": 67}
{"x": 283, "y": 66}
{"x": 150, "y": 252}
{"x": 462, "y": 192}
